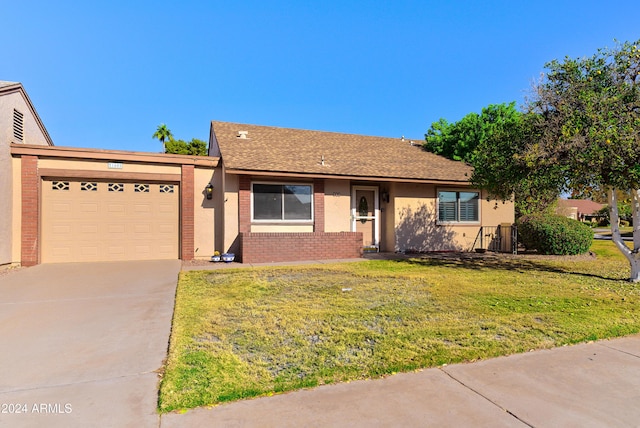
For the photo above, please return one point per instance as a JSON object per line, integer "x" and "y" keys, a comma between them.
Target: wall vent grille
{"x": 18, "y": 125}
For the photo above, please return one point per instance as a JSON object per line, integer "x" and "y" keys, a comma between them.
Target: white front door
{"x": 365, "y": 214}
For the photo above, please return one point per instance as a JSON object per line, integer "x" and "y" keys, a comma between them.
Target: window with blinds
{"x": 458, "y": 207}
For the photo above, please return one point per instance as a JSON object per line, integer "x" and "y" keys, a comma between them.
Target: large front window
{"x": 282, "y": 202}
{"x": 458, "y": 206}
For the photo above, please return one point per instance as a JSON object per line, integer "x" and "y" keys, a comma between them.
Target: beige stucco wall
{"x": 32, "y": 135}
{"x": 415, "y": 220}
{"x": 496, "y": 212}
{"x": 387, "y": 214}
{"x": 231, "y": 188}
{"x": 101, "y": 165}
{"x": 337, "y": 206}
{"x": 204, "y": 214}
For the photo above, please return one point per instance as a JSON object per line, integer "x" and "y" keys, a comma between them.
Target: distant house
{"x": 579, "y": 209}
{"x": 264, "y": 193}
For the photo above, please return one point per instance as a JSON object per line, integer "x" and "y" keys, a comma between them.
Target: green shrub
{"x": 624, "y": 223}
{"x": 553, "y": 234}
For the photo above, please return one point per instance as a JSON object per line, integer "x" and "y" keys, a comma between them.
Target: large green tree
{"x": 493, "y": 143}
{"x": 589, "y": 126}
{"x": 459, "y": 140}
{"x": 500, "y": 166}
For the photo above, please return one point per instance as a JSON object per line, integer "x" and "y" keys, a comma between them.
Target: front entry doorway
{"x": 365, "y": 215}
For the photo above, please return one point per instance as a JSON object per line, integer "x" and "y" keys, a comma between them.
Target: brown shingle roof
{"x": 272, "y": 149}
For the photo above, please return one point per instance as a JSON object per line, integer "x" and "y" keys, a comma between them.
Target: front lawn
{"x": 250, "y": 332}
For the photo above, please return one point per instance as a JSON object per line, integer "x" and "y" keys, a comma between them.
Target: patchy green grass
{"x": 250, "y": 332}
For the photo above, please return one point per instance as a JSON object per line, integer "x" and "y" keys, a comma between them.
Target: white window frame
{"x": 458, "y": 190}
{"x": 283, "y": 221}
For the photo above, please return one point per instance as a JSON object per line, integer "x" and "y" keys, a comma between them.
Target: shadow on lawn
{"x": 518, "y": 264}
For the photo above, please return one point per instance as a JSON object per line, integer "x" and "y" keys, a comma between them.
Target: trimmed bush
{"x": 553, "y": 234}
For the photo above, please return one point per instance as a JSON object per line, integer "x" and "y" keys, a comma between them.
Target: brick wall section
{"x": 244, "y": 204}
{"x": 30, "y": 249}
{"x": 318, "y": 205}
{"x": 186, "y": 213}
{"x": 289, "y": 247}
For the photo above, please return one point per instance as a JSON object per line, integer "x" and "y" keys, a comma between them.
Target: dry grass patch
{"x": 251, "y": 332}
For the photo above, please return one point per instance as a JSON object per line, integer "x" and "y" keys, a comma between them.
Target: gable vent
{"x": 18, "y": 125}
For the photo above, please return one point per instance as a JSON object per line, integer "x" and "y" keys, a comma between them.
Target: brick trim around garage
{"x": 30, "y": 248}
{"x": 187, "y": 213}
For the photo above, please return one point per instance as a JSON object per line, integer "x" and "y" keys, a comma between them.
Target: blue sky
{"x": 106, "y": 74}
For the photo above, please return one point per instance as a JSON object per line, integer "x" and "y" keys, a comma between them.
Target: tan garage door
{"x": 108, "y": 221}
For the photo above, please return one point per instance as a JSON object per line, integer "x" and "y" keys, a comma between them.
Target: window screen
{"x": 282, "y": 202}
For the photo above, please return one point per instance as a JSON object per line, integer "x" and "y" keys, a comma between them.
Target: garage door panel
{"x": 61, "y": 229}
{"x": 61, "y": 251}
{"x": 115, "y": 209}
{"x": 142, "y": 228}
{"x": 116, "y": 228}
{"x": 62, "y": 207}
{"x": 87, "y": 221}
{"x": 88, "y": 229}
{"x": 166, "y": 228}
{"x": 89, "y": 208}
{"x": 116, "y": 250}
{"x": 144, "y": 209}
{"x": 89, "y": 251}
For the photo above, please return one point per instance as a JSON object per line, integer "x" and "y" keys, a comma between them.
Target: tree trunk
{"x": 635, "y": 270}
{"x": 632, "y": 255}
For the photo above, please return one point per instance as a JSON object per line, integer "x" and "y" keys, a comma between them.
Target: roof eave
{"x": 287, "y": 174}
{"x": 112, "y": 155}
{"x": 17, "y": 87}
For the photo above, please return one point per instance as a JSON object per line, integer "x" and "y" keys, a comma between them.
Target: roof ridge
{"x": 314, "y": 130}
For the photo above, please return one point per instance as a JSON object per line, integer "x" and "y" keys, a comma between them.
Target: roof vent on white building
{"x": 243, "y": 134}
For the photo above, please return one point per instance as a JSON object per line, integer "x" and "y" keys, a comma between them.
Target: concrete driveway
{"x": 81, "y": 343}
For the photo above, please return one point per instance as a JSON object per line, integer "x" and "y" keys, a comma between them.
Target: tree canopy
{"x": 493, "y": 143}
{"x": 589, "y": 127}
{"x": 194, "y": 147}
{"x": 590, "y": 119}
{"x": 459, "y": 140}
{"x": 579, "y": 132}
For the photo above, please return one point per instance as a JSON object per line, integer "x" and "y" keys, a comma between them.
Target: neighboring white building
{"x": 19, "y": 124}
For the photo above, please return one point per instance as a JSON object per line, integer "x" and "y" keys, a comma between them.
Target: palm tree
{"x": 162, "y": 133}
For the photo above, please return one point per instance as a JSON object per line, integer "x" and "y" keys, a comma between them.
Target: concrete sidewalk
{"x": 589, "y": 385}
